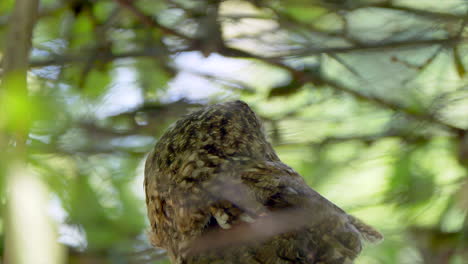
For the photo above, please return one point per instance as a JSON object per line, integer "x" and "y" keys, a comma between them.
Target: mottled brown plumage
{"x": 217, "y": 192}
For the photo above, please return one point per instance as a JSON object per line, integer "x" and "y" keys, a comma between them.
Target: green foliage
{"x": 82, "y": 31}
{"x": 366, "y": 99}
{"x": 410, "y": 185}
{"x": 95, "y": 83}
{"x": 50, "y": 28}
{"x": 304, "y": 13}
{"x": 6, "y": 6}
{"x": 152, "y": 77}
{"x": 102, "y": 10}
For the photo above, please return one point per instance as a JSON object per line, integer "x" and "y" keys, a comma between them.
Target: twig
{"x": 369, "y": 138}
{"x": 379, "y": 46}
{"x": 422, "y": 13}
{"x": 67, "y": 59}
{"x": 148, "y": 20}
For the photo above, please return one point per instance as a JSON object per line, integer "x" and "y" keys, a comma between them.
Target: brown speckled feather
{"x": 216, "y": 192}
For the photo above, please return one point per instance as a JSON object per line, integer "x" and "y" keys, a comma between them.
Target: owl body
{"x": 216, "y": 192}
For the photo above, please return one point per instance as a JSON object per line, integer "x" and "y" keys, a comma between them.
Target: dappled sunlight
{"x": 366, "y": 100}
{"x": 33, "y": 234}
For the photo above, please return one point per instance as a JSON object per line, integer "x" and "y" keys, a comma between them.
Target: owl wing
{"x": 245, "y": 203}
{"x": 264, "y": 200}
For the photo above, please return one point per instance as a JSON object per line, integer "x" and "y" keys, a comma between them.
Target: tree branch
{"x": 366, "y": 138}
{"x": 231, "y": 52}
{"x": 379, "y": 46}
{"x": 148, "y": 20}
{"x": 58, "y": 59}
{"x": 314, "y": 78}
{"x": 421, "y": 13}
{"x": 14, "y": 87}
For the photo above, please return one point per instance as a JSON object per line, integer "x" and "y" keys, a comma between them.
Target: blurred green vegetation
{"x": 368, "y": 100}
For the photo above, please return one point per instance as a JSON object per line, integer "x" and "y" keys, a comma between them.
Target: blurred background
{"x": 367, "y": 99}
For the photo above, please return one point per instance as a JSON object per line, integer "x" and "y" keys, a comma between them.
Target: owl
{"x": 216, "y": 192}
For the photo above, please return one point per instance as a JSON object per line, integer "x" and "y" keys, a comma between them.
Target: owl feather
{"x": 216, "y": 192}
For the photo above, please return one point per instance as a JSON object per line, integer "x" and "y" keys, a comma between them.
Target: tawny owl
{"x": 216, "y": 192}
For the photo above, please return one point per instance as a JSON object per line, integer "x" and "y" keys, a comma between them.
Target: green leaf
{"x": 6, "y": 6}
{"x": 457, "y": 60}
{"x": 102, "y": 9}
{"x": 16, "y": 107}
{"x": 286, "y": 89}
{"x": 152, "y": 77}
{"x": 49, "y": 28}
{"x": 82, "y": 32}
{"x": 305, "y": 14}
{"x": 409, "y": 185}
{"x": 96, "y": 83}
